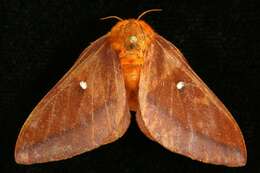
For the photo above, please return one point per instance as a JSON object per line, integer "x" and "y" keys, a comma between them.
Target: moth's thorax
{"x": 131, "y": 39}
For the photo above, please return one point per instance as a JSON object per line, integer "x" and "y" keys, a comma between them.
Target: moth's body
{"x": 131, "y": 39}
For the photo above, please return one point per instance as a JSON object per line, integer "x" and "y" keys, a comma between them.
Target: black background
{"x": 41, "y": 39}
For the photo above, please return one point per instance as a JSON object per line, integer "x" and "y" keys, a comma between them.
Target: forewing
{"x": 190, "y": 120}
{"x": 73, "y": 118}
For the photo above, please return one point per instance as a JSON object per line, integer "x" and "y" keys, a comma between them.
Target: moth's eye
{"x": 132, "y": 42}
{"x": 133, "y": 39}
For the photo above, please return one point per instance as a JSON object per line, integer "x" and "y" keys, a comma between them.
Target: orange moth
{"x": 131, "y": 68}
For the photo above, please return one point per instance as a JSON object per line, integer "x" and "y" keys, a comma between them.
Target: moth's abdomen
{"x": 131, "y": 68}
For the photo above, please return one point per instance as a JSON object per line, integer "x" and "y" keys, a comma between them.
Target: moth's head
{"x": 131, "y": 34}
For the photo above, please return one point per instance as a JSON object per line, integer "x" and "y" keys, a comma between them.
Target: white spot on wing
{"x": 83, "y": 85}
{"x": 180, "y": 85}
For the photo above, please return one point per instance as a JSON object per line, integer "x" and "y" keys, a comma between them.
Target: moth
{"x": 131, "y": 68}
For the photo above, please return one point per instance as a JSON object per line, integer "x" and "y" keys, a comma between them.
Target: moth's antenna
{"x": 148, "y": 11}
{"x": 111, "y": 17}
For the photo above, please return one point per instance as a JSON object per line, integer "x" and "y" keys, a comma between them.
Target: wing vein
{"x": 92, "y": 104}
{"x": 116, "y": 85}
{"x": 50, "y": 119}
{"x": 106, "y": 108}
{"x": 65, "y": 116}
